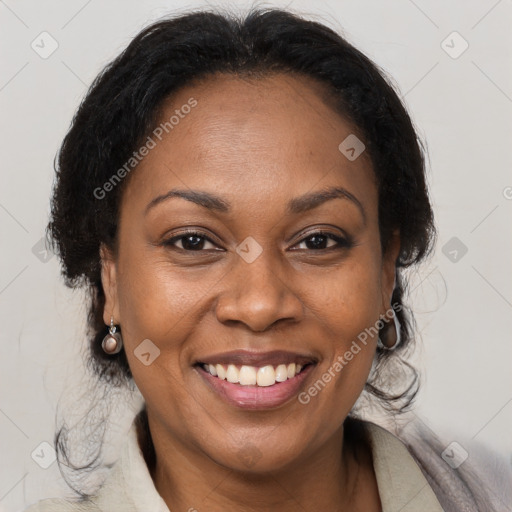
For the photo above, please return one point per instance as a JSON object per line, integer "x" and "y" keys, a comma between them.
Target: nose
{"x": 258, "y": 295}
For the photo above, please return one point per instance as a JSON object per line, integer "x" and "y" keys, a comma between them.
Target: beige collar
{"x": 402, "y": 485}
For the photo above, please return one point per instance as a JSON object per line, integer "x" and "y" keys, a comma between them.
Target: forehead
{"x": 255, "y": 140}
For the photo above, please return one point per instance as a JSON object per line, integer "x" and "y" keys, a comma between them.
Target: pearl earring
{"x": 398, "y": 335}
{"x": 113, "y": 342}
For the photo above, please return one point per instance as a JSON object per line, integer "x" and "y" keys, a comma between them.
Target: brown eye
{"x": 321, "y": 240}
{"x": 191, "y": 241}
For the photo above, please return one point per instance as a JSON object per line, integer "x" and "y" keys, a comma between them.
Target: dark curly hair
{"x": 122, "y": 107}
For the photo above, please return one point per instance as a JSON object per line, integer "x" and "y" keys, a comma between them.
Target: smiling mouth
{"x": 263, "y": 376}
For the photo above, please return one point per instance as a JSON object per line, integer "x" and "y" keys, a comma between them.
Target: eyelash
{"x": 342, "y": 243}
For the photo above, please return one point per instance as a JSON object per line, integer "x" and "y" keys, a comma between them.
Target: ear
{"x": 389, "y": 270}
{"x": 109, "y": 282}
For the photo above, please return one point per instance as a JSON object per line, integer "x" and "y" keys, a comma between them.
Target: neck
{"x": 330, "y": 480}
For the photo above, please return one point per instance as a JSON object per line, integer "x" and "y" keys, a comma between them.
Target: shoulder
{"x": 464, "y": 475}
{"x": 401, "y": 483}
{"x": 61, "y": 505}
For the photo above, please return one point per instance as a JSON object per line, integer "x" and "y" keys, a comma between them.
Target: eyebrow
{"x": 300, "y": 204}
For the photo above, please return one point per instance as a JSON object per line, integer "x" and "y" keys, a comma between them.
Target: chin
{"x": 260, "y": 456}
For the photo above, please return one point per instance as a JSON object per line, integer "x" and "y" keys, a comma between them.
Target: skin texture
{"x": 256, "y": 143}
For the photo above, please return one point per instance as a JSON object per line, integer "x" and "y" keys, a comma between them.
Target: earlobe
{"x": 389, "y": 269}
{"x": 109, "y": 283}
{"x": 390, "y": 333}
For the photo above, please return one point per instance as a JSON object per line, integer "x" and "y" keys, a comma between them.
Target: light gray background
{"x": 461, "y": 106}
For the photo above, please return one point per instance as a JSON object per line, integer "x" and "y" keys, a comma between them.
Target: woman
{"x": 241, "y": 197}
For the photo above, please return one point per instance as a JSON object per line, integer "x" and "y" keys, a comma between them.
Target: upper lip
{"x": 248, "y": 358}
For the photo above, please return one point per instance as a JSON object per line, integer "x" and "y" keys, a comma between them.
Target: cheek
{"x": 346, "y": 310}
{"x": 159, "y": 305}
{"x": 156, "y": 305}
{"x": 157, "y": 299}
{"x": 348, "y": 300}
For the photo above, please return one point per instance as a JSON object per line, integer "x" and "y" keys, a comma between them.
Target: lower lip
{"x": 256, "y": 397}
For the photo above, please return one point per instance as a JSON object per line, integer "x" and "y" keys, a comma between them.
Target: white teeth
{"x": 281, "y": 373}
{"x": 251, "y": 376}
{"x": 221, "y": 372}
{"x": 232, "y": 374}
{"x": 266, "y": 376}
{"x": 247, "y": 376}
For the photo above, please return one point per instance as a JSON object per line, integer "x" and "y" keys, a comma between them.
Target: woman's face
{"x": 274, "y": 274}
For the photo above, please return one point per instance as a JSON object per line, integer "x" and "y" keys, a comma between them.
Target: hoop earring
{"x": 398, "y": 335}
{"x": 113, "y": 342}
